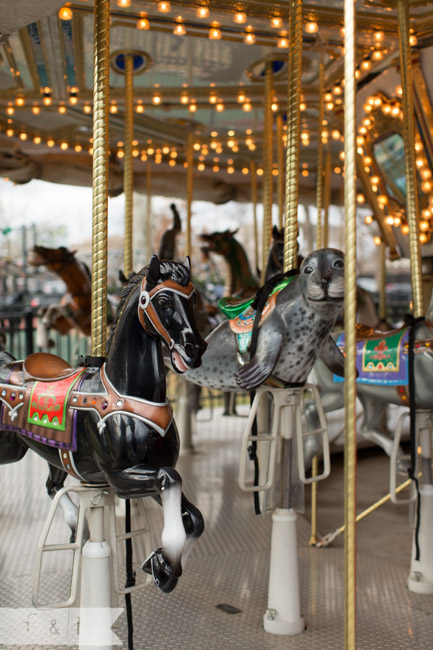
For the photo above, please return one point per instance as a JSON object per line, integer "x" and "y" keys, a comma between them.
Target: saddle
{"x": 42, "y": 396}
{"x": 242, "y": 314}
{"x": 43, "y": 366}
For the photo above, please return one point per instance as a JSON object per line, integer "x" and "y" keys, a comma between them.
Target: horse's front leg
{"x": 182, "y": 521}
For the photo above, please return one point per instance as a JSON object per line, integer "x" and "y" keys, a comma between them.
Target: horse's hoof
{"x": 165, "y": 576}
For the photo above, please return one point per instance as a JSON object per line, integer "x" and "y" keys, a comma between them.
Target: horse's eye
{"x": 164, "y": 302}
{"x": 338, "y": 264}
{"x": 308, "y": 270}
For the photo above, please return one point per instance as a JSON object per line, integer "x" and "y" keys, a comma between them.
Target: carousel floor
{"x": 222, "y": 595}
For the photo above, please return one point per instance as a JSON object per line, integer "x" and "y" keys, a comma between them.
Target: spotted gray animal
{"x": 292, "y": 337}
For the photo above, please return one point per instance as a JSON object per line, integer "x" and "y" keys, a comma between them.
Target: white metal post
{"x": 96, "y": 584}
{"x": 421, "y": 570}
{"x": 283, "y": 615}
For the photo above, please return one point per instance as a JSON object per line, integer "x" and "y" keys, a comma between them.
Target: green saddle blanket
{"x": 232, "y": 307}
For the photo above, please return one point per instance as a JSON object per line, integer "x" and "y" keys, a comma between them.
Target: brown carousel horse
{"x": 74, "y": 309}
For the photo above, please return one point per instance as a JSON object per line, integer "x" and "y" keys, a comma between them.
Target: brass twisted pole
{"x": 254, "y": 202}
{"x": 189, "y": 191}
{"x": 280, "y": 162}
{"x": 319, "y": 188}
{"x": 326, "y": 198}
{"x": 349, "y": 326}
{"x": 293, "y": 128}
{"x": 128, "y": 173}
{"x": 100, "y": 176}
{"x": 267, "y": 169}
{"x": 382, "y": 283}
{"x": 409, "y": 157}
{"x": 148, "y": 211}
{"x": 319, "y": 244}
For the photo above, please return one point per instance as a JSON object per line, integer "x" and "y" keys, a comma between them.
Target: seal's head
{"x": 322, "y": 278}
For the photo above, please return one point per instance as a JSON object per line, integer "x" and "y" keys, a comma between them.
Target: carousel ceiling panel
{"x": 198, "y": 67}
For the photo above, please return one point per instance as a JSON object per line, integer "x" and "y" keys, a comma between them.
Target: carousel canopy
{"x": 200, "y": 68}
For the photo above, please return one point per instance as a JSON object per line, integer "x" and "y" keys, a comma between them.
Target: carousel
{"x": 192, "y": 471}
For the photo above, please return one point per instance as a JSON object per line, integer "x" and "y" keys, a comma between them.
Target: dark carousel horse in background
{"x": 110, "y": 421}
{"x": 241, "y": 281}
{"x": 74, "y": 309}
{"x": 167, "y": 247}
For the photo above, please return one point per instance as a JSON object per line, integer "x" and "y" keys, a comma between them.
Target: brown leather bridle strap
{"x": 145, "y": 305}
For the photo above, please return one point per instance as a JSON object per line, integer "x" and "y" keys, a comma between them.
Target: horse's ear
{"x": 275, "y": 232}
{"x": 232, "y": 232}
{"x": 152, "y": 273}
{"x": 187, "y": 264}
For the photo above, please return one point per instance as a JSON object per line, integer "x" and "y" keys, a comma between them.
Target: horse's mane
{"x": 168, "y": 271}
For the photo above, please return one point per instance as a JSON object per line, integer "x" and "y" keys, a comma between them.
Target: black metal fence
{"x": 18, "y": 336}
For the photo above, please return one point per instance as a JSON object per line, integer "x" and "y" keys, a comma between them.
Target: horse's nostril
{"x": 192, "y": 350}
{"x": 189, "y": 349}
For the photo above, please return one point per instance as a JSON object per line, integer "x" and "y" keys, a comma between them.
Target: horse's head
{"x": 42, "y": 256}
{"x": 276, "y": 253}
{"x": 166, "y": 309}
{"x": 322, "y": 279}
{"x": 217, "y": 242}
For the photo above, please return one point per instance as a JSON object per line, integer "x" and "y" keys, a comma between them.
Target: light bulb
{"x": 65, "y": 13}
{"x": 240, "y": 17}
{"x": 164, "y": 7}
{"x": 202, "y": 12}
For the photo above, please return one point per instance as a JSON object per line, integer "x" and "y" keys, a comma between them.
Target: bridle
{"x": 145, "y": 305}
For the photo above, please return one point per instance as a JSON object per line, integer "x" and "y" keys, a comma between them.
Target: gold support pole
{"x": 100, "y": 176}
{"x": 408, "y": 126}
{"x": 128, "y": 174}
{"x": 349, "y": 327}
{"x": 254, "y": 202}
{"x": 319, "y": 188}
{"x": 189, "y": 190}
{"x": 319, "y": 244}
{"x": 382, "y": 283}
{"x": 293, "y": 128}
{"x": 280, "y": 162}
{"x": 148, "y": 212}
{"x": 326, "y": 198}
{"x": 267, "y": 169}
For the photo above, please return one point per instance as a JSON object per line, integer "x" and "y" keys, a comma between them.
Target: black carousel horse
{"x": 109, "y": 421}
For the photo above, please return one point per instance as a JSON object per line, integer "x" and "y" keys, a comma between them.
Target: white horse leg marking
{"x": 70, "y": 512}
{"x": 173, "y": 536}
{"x": 42, "y": 334}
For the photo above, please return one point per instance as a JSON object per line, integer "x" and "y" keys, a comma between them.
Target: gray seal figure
{"x": 292, "y": 337}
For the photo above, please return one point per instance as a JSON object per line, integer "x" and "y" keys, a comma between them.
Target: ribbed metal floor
{"x": 222, "y": 595}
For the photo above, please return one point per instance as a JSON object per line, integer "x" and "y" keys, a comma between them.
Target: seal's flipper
{"x": 332, "y": 357}
{"x": 258, "y": 369}
{"x": 253, "y": 373}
